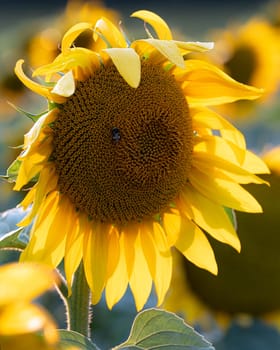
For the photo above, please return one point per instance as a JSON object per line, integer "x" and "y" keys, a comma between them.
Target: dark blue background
{"x": 196, "y": 16}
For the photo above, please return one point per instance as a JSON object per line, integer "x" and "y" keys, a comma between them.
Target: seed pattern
{"x": 123, "y": 154}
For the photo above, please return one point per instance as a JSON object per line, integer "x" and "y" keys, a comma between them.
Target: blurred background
{"x": 241, "y": 306}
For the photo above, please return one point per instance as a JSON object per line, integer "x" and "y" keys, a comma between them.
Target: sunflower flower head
{"x": 24, "y": 325}
{"x": 129, "y": 161}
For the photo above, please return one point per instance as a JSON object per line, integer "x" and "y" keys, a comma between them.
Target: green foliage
{"x": 11, "y": 236}
{"x": 13, "y": 240}
{"x": 159, "y": 329}
{"x": 70, "y": 339}
{"x": 12, "y": 171}
{"x": 231, "y": 214}
{"x": 33, "y": 117}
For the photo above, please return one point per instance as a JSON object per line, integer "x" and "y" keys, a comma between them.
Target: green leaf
{"x": 12, "y": 171}
{"x": 11, "y": 236}
{"x": 53, "y": 105}
{"x": 14, "y": 240}
{"x": 159, "y": 329}
{"x": 75, "y": 339}
{"x": 231, "y": 214}
{"x": 33, "y": 117}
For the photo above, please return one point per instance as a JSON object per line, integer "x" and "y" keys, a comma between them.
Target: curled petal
{"x": 194, "y": 46}
{"x": 65, "y": 85}
{"x": 168, "y": 49}
{"x": 127, "y": 63}
{"x": 82, "y": 61}
{"x": 72, "y": 34}
{"x": 35, "y": 87}
{"x": 109, "y": 33}
{"x": 159, "y": 25}
{"x": 205, "y": 84}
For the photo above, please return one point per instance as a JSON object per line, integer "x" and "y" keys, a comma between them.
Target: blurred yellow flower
{"x": 24, "y": 325}
{"x": 250, "y": 53}
{"x": 44, "y": 46}
{"x": 130, "y": 161}
{"x": 272, "y": 159}
{"x": 247, "y": 283}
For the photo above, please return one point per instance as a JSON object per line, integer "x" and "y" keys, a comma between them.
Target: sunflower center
{"x": 123, "y": 154}
{"x": 242, "y": 64}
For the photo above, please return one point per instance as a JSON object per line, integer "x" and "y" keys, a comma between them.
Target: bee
{"x": 116, "y": 135}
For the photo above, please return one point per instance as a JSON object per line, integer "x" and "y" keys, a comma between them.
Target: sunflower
{"x": 250, "y": 53}
{"x": 43, "y": 47}
{"x": 252, "y": 274}
{"x": 24, "y": 325}
{"x": 129, "y": 162}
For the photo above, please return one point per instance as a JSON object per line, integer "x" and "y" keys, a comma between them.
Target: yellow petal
{"x": 33, "y": 164}
{"x": 209, "y": 216}
{"x": 140, "y": 280}
{"x": 70, "y": 36}
{"x": 46, "y": 245}
{"x": 80, "y": 60}
{"x": 35, "y": 87}
{"x": 272, "y": 159}
{"x": 159, "y": 25}
{"x": 168, "y": 49}
{"x": 73, "y": 250}
{"x": 225, "y": 192}
{"x": 28, "y": 169}
{"x": 29, "y": 198}
{"x": 144, "y": 49}
{"x": 194, "y": 46}
{"x": 204, "y": 117}
{"x": 163, "y": 271}
{"x": 114, "y": 251}
{"x": 160, "y": 237}
{"x": 109, "y": 33}
{"x": 148, "y": 246}
{"x": 47, "y": 182}
{"x": 119, "y": 278}
{"x": 229, "y": 151}
{"x": 206, "y": 84}
{"x": 35, "y": 133}
{"x": 163, "y": 275}
{"x": 127, "y": 63}
{"x": 95, "y": 258}
{"x": 158, "y": 257}
{"x": 65, "y": 85}
{"x": 15, "y": 277}
{"x": 129, "y": 235}
{"x": 220, "y": 168}
{"x": 23, "y": 318}
{"x": 255, "y": 164}
{"x": 221, "y": 148}
{"x": 194, "y": 245}
{"x": 172, "y": 225}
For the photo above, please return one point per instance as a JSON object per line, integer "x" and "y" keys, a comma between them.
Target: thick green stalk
{"x": 78, "y": 304}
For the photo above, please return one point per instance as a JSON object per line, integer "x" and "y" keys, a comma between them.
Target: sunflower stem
{"x": 78, "y": 304}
